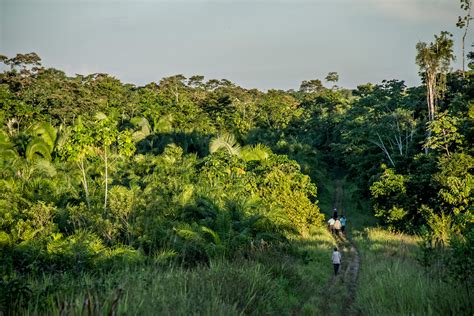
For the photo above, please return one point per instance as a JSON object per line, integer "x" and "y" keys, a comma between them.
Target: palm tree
{"x": 46, "y": 132}
{"x": 221, "y": 231}
{"x": 225, "y": 142}
{"x": 37, "y": 148}
{"x": 258, "y": 152}
{"x": 142, "y": 128}
{"x": 164, "y": 124}
{"x": 7, "y": 149}
{"x": 228, "y": 143}
{"x": 42, "y": 141}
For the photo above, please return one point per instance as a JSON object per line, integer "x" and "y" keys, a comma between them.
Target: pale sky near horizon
{"x": 256, "y": 44}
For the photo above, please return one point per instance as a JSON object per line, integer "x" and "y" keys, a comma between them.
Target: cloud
{"x": 419, "y": 10}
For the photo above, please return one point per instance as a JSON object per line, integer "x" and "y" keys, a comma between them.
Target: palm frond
{"x": 164, "y": 124}
{"x": 215, "y": 236}
{"x": 99, "y": 116}
{"x": 225, "y": 142}
{"x": 143, "y": 128}
{"x": 62, "y": 138}
{"x": 46, "y": 132}
{"x": 7, "y": 149}
{"x": 258, "y": 152}
{"x": 44, "y": 168}
{"x": 38, "y": 148}
{"x": 187, "y": 233}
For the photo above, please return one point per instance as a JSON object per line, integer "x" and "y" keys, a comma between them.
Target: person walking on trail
{"x": 336, "y": 260}
{"x": 337, "y": 226}
{"x": 334, "y": 213}
{"x": 331, "y": 222}
{"x": 343, "y": 223}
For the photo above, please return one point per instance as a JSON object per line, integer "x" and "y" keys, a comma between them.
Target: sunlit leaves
{"x": 257, "y": 152}
{"x": 444, "y": 133}
{"x": 6, "y": 147}
{"x": 142, "y": 127}
{"x": 434, "y": 60}
{"x": 457, "y": 182}
{"x": 390, "y": 196}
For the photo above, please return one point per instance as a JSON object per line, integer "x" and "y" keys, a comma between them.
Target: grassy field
{"x": 391, "y": 280}
{"x": 272, "y": 282}
{"x": 296, "y": 280}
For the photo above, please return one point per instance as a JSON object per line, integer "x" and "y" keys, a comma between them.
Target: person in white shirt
{"x": 331, "y": 222}
{"x": 336, "y": 260}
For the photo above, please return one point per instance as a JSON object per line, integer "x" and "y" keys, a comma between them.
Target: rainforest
{"x": 195, "y": 196}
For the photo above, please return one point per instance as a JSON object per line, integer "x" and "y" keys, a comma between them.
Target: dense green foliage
{"x": 97, "y": 174}
{"x": 271, "y": 282}
{"x": 140, "y": 171}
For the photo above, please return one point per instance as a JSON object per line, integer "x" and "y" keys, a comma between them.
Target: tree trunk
{"x": 432, "y": 96}
{"x": 463, "y": 55}
{"x": 84, "y": 183}
{"x": 463, "y": 43}
{"x": 430, "y": 99}
{"x": 468, "y": 20}
{"x": 106, "y": 178}
{"x": 382, "y": 146}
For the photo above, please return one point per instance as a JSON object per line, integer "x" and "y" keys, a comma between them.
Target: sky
{"x": 260, "y": 44}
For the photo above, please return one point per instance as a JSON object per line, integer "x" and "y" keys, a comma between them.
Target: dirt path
{"x": 350, "y": 276}
{"x": 340, "y": 291}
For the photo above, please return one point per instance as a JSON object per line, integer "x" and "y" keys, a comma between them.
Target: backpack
{"x": 337, "y": 224}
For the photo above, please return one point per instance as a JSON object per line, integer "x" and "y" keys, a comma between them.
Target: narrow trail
{"x": 351, "y": 274}
{"x": 340, "y": 292}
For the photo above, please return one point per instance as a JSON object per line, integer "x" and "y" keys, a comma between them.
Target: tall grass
{"x": 223, "y": 288}
{"x": 270, "y": 281}
{"x": 392, "y": 282}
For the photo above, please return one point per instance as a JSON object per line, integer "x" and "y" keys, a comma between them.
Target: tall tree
{"x": 311, "y": 86}
{"x": 332, "y": 77}
{"x": 106, "y": 135}
{"x": 444, "y": 133}
{"x": 22, "y": 69}
{"x": 463, "y": 23}
{"x": 384, "y": 118}
{"x": 434, "y": 60}
{"x": 75, "y": 147}
{"x": 173, "y": 85}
